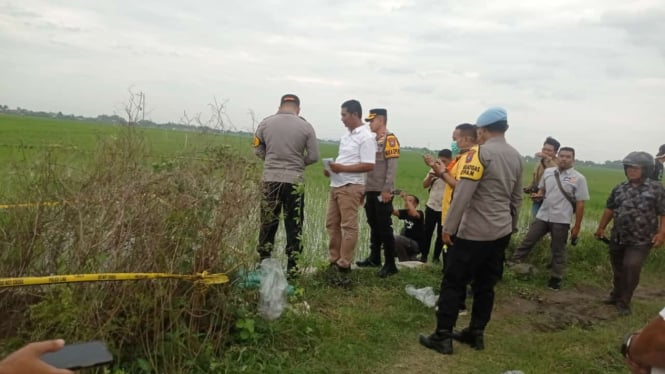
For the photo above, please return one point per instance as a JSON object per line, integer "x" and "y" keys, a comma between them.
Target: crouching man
{"x": 409, "y": 243}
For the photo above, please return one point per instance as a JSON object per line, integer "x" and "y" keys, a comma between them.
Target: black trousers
{"x": 627, "y": 261}
{"x": 290, "y": 198}
{"x": 479, "y": 263}
{"x": 379, "y": 218}
{"x": 432, "y": 223}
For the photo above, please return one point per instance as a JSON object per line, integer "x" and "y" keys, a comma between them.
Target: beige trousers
{"x": 342, "y": 222}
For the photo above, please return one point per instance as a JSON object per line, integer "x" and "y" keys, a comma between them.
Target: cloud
{"x": 433, "y": 64}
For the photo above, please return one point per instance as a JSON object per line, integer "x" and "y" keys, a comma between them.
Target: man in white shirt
{"x": 564, "y": 191}
{"x": 356, "y": 156}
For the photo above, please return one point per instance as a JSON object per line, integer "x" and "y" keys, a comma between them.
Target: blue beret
{"x": 492, "y": 115}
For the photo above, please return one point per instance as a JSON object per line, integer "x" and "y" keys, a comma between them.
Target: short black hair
{"x": 353, "y": 107}
{"x": 467, "y": 129}
{"x": 447, "y": 153}
{"x": 415, "y": 198}
{"x": 553, "y": 142}
{"x": 569, "y": 149}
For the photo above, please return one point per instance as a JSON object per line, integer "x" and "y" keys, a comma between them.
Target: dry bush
{"x": 119, "y": 214}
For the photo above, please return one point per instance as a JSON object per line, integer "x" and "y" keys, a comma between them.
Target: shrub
{"x": 119, "y": 213}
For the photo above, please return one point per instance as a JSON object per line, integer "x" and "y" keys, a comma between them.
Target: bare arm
{"x": 429, "y": 179}
{"x": 604, "y": 221}
{"x": 353, "y": 168}
{"x": 659, "y": 238}
{"x": 579, "y": 214}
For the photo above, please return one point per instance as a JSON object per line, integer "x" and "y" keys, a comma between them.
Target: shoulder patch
{"x": 256, "y": 142}
{"x": 472, "y": 168}
{"x": 391, "y": 148}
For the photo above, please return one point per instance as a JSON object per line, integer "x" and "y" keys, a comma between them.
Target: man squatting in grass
{"x": 483, "y": 215}
{"x": 378, "y": 195}
{"x": 435, "y": 187}
{"x": 287, "y": 143}
{"x": 410, "y": 242}
{"x": 563, "y": 191}
{"x": 356, "y": 156}
{"x": 635, "y": 205}
{"x": 547, "y": 157}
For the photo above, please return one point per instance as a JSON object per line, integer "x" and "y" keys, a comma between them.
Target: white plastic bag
{"x": 272, "y": 294}
{"x": 425, "y": 295}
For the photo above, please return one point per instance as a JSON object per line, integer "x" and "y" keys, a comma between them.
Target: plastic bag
{"x": 272, "y": 294}
{"x": 425, "y": 295}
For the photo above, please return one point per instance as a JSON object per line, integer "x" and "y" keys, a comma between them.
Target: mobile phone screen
{"x": 78, "y": 356}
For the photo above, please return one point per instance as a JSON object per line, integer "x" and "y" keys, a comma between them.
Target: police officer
{"x": 287, "y": 143}
{"x": 482, "y": 217}
{"x": 378, "y": 195}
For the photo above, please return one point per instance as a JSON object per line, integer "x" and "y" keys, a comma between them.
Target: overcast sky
{"x": 590, "y": 73}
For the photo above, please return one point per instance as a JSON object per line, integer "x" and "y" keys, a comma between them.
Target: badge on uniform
{"x": 256, "y": 142}
{"x": 392, "y": 147}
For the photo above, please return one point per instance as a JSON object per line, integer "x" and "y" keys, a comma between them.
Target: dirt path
{"x": 544, "y": 311}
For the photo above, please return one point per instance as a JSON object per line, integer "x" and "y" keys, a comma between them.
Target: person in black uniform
{"x": 379, "y": 185}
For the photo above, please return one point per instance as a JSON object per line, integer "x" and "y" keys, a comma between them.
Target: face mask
{"x": 454, "y": 148}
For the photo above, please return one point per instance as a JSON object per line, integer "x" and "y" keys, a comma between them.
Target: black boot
{"x": 387, "y": 270}
{"x": 440, "y": 341}
{"x": 474, "y": 338}
{"x": 369, "y": 262}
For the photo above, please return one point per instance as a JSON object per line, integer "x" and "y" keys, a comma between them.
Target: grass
{"x": 371, "y": 327}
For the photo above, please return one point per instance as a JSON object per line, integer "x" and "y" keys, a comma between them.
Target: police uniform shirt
{"x": 489, "y": 193}
{"x": 287, "y": 143}
{"x": 436, "y": 190}
{"x": 556, "y": 208}
{"x": 382, "y": 177}
{"x": 355, "y": 147}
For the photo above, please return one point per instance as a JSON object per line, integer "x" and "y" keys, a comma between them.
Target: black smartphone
{"x": 79, "y": 356}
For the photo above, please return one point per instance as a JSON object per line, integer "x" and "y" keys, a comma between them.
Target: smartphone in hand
{"x": 79, "y": 356}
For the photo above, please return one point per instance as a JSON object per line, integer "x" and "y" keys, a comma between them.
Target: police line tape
{"x": 203, "y": 278}
{"x": 29, "y": 205}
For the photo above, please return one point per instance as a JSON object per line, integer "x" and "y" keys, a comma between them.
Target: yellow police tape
{"x": 28, "y": 205}
{"x": 204, "y": 278}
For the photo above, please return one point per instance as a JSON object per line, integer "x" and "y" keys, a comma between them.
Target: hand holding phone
{"x": 79, "y": 356}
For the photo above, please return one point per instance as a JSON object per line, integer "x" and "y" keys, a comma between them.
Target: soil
{"x": 546, "y": 311}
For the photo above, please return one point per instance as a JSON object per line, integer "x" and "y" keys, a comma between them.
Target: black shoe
{"x": 440, "y": 341}
{"x": 387, "y": 271}
{"x": 368, "y": 263}
{"x": 473, "y": 338}
{"x": 554, "y": 283}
